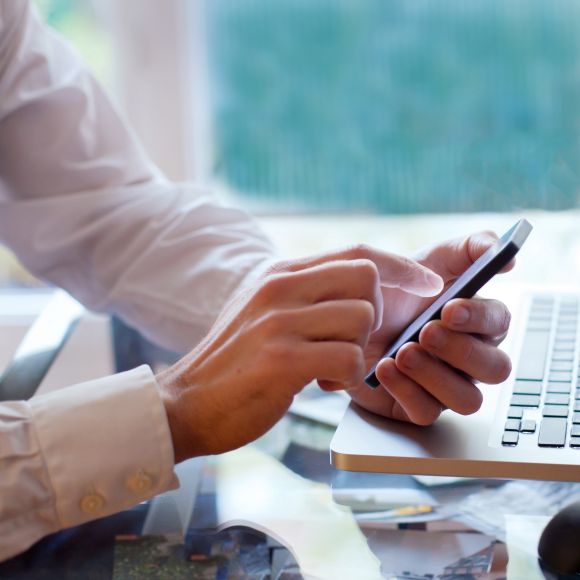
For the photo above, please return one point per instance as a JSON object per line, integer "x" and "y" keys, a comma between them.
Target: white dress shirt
{"x": 83, "y": 207}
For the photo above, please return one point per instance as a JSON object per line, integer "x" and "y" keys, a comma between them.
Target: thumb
{"x": 451, "y": 258}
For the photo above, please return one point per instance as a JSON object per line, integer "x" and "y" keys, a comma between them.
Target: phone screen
{"x": 465, "y": 286}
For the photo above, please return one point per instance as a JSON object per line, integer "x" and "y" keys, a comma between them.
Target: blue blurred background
{"x": 396, "y": 106}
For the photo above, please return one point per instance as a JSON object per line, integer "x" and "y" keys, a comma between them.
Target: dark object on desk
{"x": 40, "y": 346}
{"x": 559, "y": 547}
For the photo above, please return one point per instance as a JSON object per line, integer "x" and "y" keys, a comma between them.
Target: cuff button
{"x": 92, "y": 503}
{"x": 140, "y": 482}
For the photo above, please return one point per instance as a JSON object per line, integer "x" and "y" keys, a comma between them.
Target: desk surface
{"x": 293, "y": 472}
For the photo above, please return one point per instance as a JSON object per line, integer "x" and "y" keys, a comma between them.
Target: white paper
{"x": 522, "y": 535}
{"x": 255, "y": 490}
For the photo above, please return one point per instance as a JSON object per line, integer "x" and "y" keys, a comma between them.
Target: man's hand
{"x": 306, "y": 319}
{"x": 438, "y": 372}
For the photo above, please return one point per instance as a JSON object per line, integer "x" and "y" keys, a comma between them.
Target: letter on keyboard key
{"x": 533, "y": 356}
{"x": 552, "y": 432}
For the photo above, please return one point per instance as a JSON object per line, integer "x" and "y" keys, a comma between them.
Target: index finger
{"x": 394, "y": 271}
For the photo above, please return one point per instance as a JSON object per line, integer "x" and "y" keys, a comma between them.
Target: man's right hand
{"x": 305, "y": 319}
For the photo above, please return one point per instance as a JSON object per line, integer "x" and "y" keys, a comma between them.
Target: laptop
{"x": 528, "y": 427}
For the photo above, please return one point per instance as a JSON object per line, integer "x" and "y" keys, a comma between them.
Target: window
{"x": 397, "y": 107}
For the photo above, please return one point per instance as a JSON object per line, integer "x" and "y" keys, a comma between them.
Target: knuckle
{"x": 467, "y": 353}
{"x": 505, "y": 320}
{"x": 276, "y": 268}
{"x": 427, "y": 416}
{"x": 366, "y": 272}
{"x": 359, "y": 251}
{"x": 503, "y": 368}
{"x": 276, "y": 353}
{"x": 472, "y": 402}
{"x": 351, "y": 359}
{"x": 273, "y": 323}
{"x": 270, "y": 288}
{"x": 365, "y": 312}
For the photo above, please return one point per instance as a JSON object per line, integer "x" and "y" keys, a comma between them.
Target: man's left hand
{"x": 453, "y": 353}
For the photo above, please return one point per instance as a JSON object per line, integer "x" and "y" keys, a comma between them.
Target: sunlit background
{"x": 303, "y": 109}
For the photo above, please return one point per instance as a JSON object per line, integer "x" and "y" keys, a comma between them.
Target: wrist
{"x": 179, "y": 427}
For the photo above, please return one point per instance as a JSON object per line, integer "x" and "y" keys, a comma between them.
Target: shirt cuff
{"x": 106, "y": 445}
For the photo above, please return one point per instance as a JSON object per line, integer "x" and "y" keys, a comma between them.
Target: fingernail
{"x": 435, "y": 337}
{"x": 411, "y": 359}
{"x": 460, "y": 315}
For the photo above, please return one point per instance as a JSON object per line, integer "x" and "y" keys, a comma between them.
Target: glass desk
{"x": 285, "y": 483}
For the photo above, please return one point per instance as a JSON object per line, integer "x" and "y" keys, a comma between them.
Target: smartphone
{"x": 478, "y": 274}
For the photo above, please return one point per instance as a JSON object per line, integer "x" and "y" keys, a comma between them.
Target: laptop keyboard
{"x": 545, "y": 402}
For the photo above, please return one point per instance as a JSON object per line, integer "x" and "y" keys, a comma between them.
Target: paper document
{"x": 522, "y": 536}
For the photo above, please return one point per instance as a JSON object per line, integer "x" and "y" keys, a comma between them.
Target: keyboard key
{"x": 566, "y": 336}
{"x": 568, "y": 318}
{"x": 542, "y": 300}
{"x": 533, "y": 356}
{"x": 528, "y": 426}
{"x": 512, "y": 425}
{"x": 562, "y": 366}
{"x": 574, "y": 441}
{"x": 576, "y": 418}
{"x": 563, "y": 388}
{"x": 515, "y": 413}
{"x": 555, "y": 411}
{"x": 528, "y": 387}
{"x": 525, "y": 401}
{"x": 539, "y": 325}
{"x": 561, "y": 356}
{"x": 564, "y": 346}
{"x": 510, "y": 438}
{"x": 575, "y": 432}
{"x": 560, "y": 376}
{"x": 576, "y": 406}
{"x": 552, "y": 432}
{"x": 557, "y": 399}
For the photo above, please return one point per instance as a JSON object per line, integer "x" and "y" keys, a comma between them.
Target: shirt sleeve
{"x": 80, "y": 453}
{"x": 84, "y": 208}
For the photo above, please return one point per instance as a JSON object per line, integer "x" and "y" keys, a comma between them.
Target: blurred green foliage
{"x": 395, "y": 106}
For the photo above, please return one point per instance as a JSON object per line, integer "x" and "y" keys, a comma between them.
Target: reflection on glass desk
{"x": 278, "y": 510}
